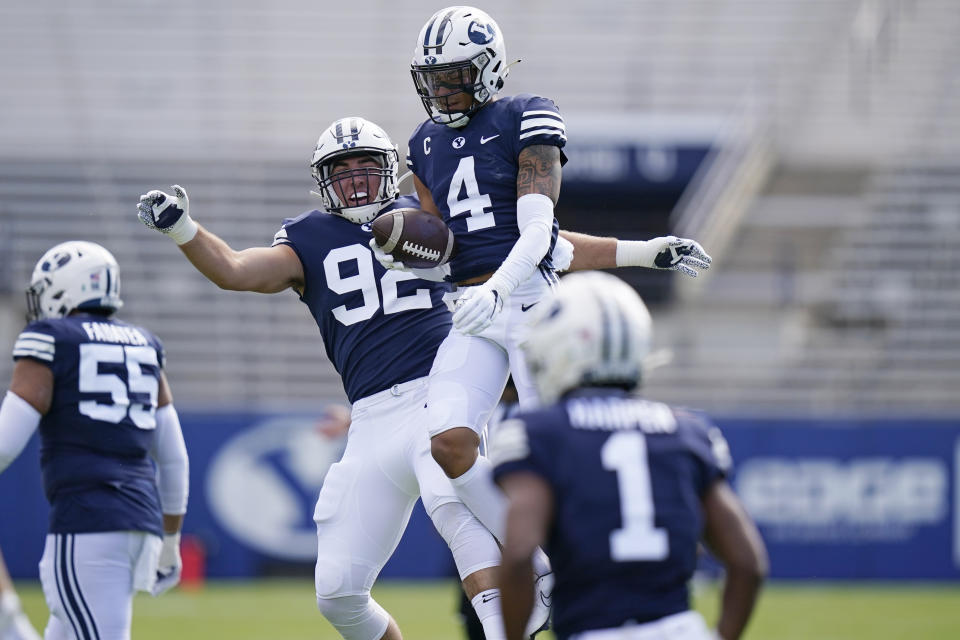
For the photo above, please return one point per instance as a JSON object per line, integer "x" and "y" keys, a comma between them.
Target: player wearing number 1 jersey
{"x": 94, "y": 387}
{"x": 620, "y": 489}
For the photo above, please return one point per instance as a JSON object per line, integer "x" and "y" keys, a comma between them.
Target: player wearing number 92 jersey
{"x": 373, "y": 346}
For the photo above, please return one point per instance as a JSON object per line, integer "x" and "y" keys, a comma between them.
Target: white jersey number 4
{"x": 638, "y": 539}
{"x": 475, "y": 203}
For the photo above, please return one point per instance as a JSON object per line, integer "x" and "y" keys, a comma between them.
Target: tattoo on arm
{"x": 539, "y": 171}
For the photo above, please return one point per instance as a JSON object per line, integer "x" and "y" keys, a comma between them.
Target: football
{"x": 413, "y": 237}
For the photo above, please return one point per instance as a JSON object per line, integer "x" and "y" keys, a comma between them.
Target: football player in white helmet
{"x": 115, "y": 468}
{"x": 459, "y": 64}
{"x": 64, "y": 280}
{"x": 620, "y": 487}
{"x": 354, "y": 157}
{"x": 490, "y": 165}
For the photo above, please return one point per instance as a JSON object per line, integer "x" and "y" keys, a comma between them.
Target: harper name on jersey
{"x": 380, "y": 327}
{"x": 472, "y": 175}
{"x": 627, "y": 475}
{"x": 95, "y": 439}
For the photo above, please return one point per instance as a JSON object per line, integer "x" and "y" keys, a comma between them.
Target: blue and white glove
{"x": 476, "y": 309}
{"x": 669, "y": 252}
{"x": 170, "y": 565}
{"x": 168, "y": 214}
{"x": 434, "y": 274}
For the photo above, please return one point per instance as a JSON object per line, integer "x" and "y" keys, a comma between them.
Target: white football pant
{"x": 89, "y": 579}
{"x": 470, "y": 372}
{"x": 365, "y": 505}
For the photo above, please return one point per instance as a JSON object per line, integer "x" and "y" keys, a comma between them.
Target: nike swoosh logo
{"x": 487, "y": 597}
{"x": 486, "y": 140}
{"x": 527, "y": 307}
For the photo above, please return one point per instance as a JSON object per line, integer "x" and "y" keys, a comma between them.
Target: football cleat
{"x": 542, "y": 604}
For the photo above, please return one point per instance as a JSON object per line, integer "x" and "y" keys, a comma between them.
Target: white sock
{"x": 477, "y": 490}
{"x": 487, "y": 605}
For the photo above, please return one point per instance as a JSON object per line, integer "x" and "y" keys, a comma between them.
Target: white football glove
{"x": 168, "y": 214}
{"x": 476, "y": 309}
{"x": 170, "y": 565}
{"x": 434, "y": 274}
{"x": 668, "y": 252}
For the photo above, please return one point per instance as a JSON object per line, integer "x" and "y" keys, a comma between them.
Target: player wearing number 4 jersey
{"x": 490, "y": 167}
{"x": 95, "y": 388}
{"x": 619, "y": 489}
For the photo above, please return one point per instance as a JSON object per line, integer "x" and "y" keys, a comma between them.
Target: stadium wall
{"x": 835, "y": 499}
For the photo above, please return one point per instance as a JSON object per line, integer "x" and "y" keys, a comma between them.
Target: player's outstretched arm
{"x": 260, "y": 269}
{"x": 528, "y": 520}
{"x": 733, "y": 538}
{"x": 170, "y": 453}
{"x": 667, "y": 252}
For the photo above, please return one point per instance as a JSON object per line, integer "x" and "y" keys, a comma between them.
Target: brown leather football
{"x": 414, "y": 237}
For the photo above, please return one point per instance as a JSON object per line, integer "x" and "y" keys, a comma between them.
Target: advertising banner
{"x": 842, "y": 499}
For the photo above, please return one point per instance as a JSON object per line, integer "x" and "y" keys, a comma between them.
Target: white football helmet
{"x": 460, "y": 50}
{"x": 350, "y": 137}
{"x": 73, "y": 275}
{"x": 594, "y": 332}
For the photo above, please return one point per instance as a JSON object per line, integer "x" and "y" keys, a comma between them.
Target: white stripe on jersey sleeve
{"x": 32, "y": 353}
{"x": 527, "y": 114}
{"x": 37, "y": 336}
{"x": 544, "y": 132}
{"x": 35, "y": 345}
{"x": 542, "y": 122}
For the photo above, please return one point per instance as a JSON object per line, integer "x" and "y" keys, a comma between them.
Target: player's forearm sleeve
{"x": 170, "y": 453}
{"x": 18, "y": 421}
{"x": 535, "y": 220}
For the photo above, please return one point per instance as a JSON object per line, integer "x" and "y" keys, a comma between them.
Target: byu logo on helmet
{"x": 480, "y": 33}
{"x": 430, "y": 60}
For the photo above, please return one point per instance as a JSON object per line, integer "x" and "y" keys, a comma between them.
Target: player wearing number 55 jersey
{"x": 95, "y": 388}
{"x": 619, "y": 489}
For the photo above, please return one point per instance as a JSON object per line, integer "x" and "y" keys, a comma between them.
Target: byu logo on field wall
{"x": 263, "y": 483}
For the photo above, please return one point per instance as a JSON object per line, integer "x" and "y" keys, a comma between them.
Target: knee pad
{"x": 356, "y": 617}
{"x": 473, "y": 546}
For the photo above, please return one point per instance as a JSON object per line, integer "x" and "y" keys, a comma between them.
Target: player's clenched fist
{"x": 168, "y": 214}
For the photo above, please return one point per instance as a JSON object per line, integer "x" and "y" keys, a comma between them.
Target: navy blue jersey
{"x": 472, "y": 174}
{"x": 628, "y": 476}
{"x": 95, "y": 439}
{"x": 380, "y": 327}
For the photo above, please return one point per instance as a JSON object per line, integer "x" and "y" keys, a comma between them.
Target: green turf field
{"x": 284, "y": 610}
